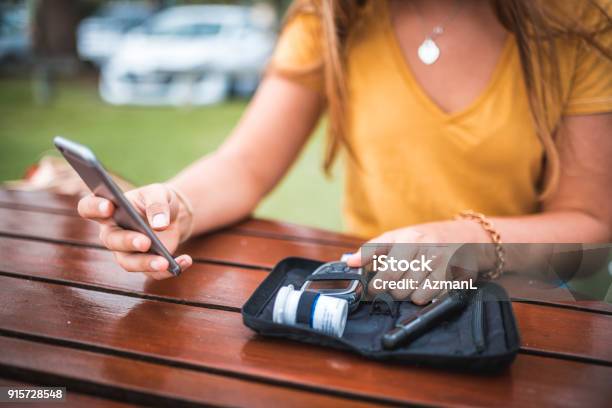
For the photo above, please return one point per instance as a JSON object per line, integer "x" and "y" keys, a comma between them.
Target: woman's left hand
{"x": 439, "y": 241}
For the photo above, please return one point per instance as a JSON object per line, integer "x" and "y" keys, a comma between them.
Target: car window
{"x": 126, "y": 24}
{"x": 124, "y": 11}
{"x": 190, "y": 30}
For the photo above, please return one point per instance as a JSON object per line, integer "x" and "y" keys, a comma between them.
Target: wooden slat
{"x": 560, "y": 331}
{"x": 213, "y": 285}
{"x": 285, "y": 230}
{"x": 530, "y": 289}
{"x": 258, "y": 251}
{"x": 148, "y": 383}
{"x": 575, "y": 333}
{"x": 72, "y": 399}
{"x": 217, "y": 340}
{"x": 64, "y": 204}
{"x": 38, "y": 200}
{"x": 221, "y": 246}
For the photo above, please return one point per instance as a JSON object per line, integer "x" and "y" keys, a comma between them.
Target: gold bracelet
{"x": 486, "y": 224}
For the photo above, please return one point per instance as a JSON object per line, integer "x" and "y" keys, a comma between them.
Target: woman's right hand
{"x": 165, "y": 214}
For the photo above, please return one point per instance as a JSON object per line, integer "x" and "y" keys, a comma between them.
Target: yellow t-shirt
{"x": 418, "y": 163}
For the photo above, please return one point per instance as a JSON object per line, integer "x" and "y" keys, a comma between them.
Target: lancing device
{"x": 407, "y": 330}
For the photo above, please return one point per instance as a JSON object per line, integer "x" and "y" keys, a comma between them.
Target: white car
{"x": 99, "y": 36}
{"x": 194, "y": 54}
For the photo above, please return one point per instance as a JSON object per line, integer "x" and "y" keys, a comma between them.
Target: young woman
{"x": 501, "y": 107}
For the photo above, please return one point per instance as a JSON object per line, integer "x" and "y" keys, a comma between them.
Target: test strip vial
{"x": 326, "y": 314}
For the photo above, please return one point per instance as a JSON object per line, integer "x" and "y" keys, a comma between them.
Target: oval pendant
{"x": 428, "y": 52}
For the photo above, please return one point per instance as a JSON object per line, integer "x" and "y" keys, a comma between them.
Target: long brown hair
{"x": 536, "y": 25}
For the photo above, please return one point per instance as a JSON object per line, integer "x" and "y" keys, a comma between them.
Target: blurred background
{"x": 150, "y": 86}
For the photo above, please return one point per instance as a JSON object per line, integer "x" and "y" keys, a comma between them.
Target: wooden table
{"x": 69, "y": 316}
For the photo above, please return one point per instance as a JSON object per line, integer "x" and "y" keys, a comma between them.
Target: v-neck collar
{"x": 408, "y": 74}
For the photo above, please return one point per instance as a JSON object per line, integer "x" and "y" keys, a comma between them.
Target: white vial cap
{"x": 280, "y": 302}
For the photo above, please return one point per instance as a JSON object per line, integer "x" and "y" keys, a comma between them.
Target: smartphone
{"x": 85, "y": 163}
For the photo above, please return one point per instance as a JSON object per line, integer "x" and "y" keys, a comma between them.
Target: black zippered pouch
{"x": 482, "y": 337}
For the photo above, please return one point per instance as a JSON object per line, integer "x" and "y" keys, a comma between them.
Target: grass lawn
{"x": 146, "y": 145}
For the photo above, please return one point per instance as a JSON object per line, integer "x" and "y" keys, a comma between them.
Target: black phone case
{"x": 483, "y": 337}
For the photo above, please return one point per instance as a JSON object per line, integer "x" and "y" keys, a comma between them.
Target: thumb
{"x": 159, "y": 206}
{"x": 377, "y": 246}
{"x": 354, "y": 259}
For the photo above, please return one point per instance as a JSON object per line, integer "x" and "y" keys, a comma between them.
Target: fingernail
{"x": 157, "y": 264}
{"x": 184, "y": 260}
{"x": 140, "y": 242}
{"x": 159, "y": 220}
{"x": 104, "y": 206}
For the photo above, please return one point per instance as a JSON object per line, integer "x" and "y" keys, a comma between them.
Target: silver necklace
{"x": 428, "y": 51}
